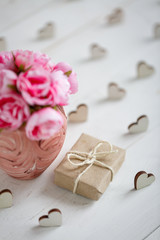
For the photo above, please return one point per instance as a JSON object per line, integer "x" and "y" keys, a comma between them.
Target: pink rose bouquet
{"x": 31, "y": 88}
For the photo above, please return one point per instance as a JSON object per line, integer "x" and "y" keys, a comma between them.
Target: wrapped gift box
{"x": 90, "y": 183}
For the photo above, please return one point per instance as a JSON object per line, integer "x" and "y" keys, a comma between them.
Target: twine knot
{"x": 90, "y": 158}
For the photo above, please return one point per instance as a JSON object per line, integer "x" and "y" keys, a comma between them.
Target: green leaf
{"x": 13, "y": 56}
{"x": 55, "y": 107}
{"x": 13, "y": 87}
{"x": 68, "y": 73}
{"x": 32, "y": 109}
{"x": 21, "y": 68}
{"x": 27, "y": 69}
{"x": 23, "y": 124}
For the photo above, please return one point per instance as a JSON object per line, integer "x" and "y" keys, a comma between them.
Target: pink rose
{"x": 39, "y": 87}
{"x": 35, "y": 87}
{"x": 59, "y": 88}
{"x": 25, "y": 60}
{"x": 43, "y": 60}
{"x": 13, "y": 111}
{"x": 7, "y": 81}
{"x": 72, "y": 76}
{"x": 6, "y": 61}
{"x": 43, "y": 124}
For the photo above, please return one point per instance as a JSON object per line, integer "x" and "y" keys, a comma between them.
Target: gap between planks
{"x": 82, "y": 28}
{"x": 27, "y": 15}
{"x": 149, "y": 234}
{"x": 141, "y": 137}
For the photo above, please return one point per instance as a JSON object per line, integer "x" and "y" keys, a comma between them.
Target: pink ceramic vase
{"x": 25, "y": 159}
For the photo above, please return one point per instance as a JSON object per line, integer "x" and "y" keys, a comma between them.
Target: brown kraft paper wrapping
{"x": 94, "y": 182}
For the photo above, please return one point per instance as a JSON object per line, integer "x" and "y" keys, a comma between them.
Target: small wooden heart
{"x": 2, "y": 44}
{"x": 140, "y": 125}
{"x": 53, "y": 219}
{"x": 47, "y": 31}
{"x": 6, "y": 198}
{"x": 144, "y": 70}
{"x": 142, "y": 179}
{"x": 97, "y": 51}
{"x": 114, "y": 92}
{"x": 157, "y": 30}
{"x": 80, "y": 115}
{"x": 116, "y": 16}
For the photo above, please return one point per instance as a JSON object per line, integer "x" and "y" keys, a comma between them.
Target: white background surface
{"x": 121, "y": 213}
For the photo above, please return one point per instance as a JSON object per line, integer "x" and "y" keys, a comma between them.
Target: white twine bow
{"x": 90, "y": 159}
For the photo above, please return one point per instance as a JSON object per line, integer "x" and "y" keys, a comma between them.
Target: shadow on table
{"x": 63, "y": 196}
{"x": 90, "y": 60}
{"x": 151, "y": 39}
{"x": 43, "y": 230}
{"x": 133, "y": 79}
{"x": 106, "y": 100}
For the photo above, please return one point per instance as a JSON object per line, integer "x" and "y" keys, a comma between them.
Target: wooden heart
{"x": 80, "y": 115}
{"x": 140, "y": 126}
{"x": 53, "y": 219}
{"x": 114, "y": 92}
{"x": 142, "y": 179}
{"x": 144, "y": 70}
{"x": 47, "y": 31}
{"x": 97, "y": 51}
{"x": 6, "y": 198}
{"x": 157, "y": 30}
{"x": 2, "y": 44}
{"x": 116, "y": 16}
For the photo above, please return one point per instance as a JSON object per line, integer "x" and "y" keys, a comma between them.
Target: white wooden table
{"x": 121, "y": 213}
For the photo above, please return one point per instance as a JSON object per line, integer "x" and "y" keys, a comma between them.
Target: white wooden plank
{"x": 132, "y": 213}
{"x": 120, "y": 66}
{"x": 4, "y": 2}
{"x": 69, "y": 18}
{"x": 121, "y": 213}
{"x": 155, "y": 235}
{"x": 13, "y": 12}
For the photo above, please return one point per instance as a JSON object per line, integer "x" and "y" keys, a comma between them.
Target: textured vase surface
{"x": 25, "y": 159}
